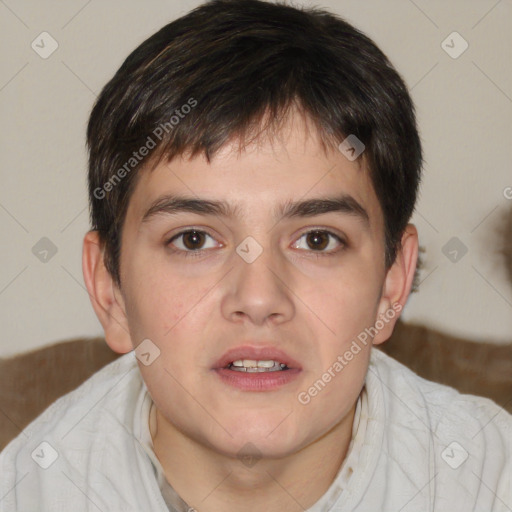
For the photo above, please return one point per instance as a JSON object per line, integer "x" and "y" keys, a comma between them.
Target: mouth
{"x": 251, "y": 359}
{"x": 253, "y": 366}
{"x": 250, "y": 368}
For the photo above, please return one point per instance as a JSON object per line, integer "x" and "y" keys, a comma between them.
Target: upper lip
{"x": 260, "y": 353}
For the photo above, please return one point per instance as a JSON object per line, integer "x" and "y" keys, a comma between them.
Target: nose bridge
{"x": 258, "y": 280}
{"x": 259, "y": 263}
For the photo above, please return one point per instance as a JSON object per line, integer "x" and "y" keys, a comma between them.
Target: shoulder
{"x": 85, "y": 449}
{"x": 440, "y": 400}
{"x": 108, "y": 391}
{"x": 457, "y": 439}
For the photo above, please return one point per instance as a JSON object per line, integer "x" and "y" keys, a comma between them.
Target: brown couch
{"x": 30, "y": 382}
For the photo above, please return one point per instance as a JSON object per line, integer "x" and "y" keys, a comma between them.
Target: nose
{"x": 259, "y": 291}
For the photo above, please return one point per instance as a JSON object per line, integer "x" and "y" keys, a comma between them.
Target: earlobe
{"x": 107, "y": 304}
{"x": 398, "y": 284}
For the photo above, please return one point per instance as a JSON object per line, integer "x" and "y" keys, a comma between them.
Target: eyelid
{"x": 188, "y": 230}
{"x": 341, "y": 239}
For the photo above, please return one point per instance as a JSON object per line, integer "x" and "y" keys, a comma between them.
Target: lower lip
{"x": 257, "y": 381}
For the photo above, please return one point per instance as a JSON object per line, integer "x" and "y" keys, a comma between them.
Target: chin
{"x": 257, "y": 448}
{"x": 266, "y": 437}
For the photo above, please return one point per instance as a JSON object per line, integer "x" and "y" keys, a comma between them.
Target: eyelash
{"x": 200, "y": 252}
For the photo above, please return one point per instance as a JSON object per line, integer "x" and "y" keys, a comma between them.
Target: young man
{"x": 253, "y": 168}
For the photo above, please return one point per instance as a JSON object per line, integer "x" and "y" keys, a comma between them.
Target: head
{"x": 229, "y": 121}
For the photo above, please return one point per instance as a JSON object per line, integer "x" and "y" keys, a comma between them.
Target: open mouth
{"x": 253, "y": 366}
{"x": 264, "y": 368}
{"x": 257, "y": 368}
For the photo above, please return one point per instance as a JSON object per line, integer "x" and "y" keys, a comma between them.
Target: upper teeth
{"x": 252, "y": 363}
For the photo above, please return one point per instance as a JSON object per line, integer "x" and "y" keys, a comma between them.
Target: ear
{"x": 397, "y": 285}
{"x": 105, "y": 295}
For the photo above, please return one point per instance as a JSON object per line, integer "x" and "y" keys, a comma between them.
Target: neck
{"x": 212, "y": 482}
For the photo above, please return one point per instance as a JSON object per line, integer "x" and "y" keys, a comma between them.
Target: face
{"x": 289, "y": 272}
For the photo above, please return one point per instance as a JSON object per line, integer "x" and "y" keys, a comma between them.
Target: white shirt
{"x": 416, "y": 446}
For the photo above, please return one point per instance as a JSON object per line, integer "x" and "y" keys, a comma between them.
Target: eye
{"x": 192, "y": 240}
{"x": 318, "y": 240}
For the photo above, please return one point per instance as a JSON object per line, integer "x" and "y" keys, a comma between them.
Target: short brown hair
{"x": 232, "y": 62}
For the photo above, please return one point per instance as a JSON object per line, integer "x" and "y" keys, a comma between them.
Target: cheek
{"x": 165, "y": 306}
{"x": 347, "y": 306}
{"x": 346, "y": 303}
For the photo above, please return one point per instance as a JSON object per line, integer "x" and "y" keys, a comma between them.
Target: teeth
{"x": 251, "y": 365}
{"x": 266, "y": 364}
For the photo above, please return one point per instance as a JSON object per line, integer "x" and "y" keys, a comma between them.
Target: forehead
{"x": 262, "y": 176}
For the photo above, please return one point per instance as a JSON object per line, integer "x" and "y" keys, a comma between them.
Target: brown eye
{"x": 193, "y": 239}
{"x": 318, "y": 240}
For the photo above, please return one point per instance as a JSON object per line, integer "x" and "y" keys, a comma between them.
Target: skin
{"x": 196, "y": 308}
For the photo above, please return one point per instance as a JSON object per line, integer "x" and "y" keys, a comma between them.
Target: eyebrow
{"x": 173, "y": 204}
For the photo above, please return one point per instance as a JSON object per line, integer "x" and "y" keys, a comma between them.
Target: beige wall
{"x": 464, "y": 109}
